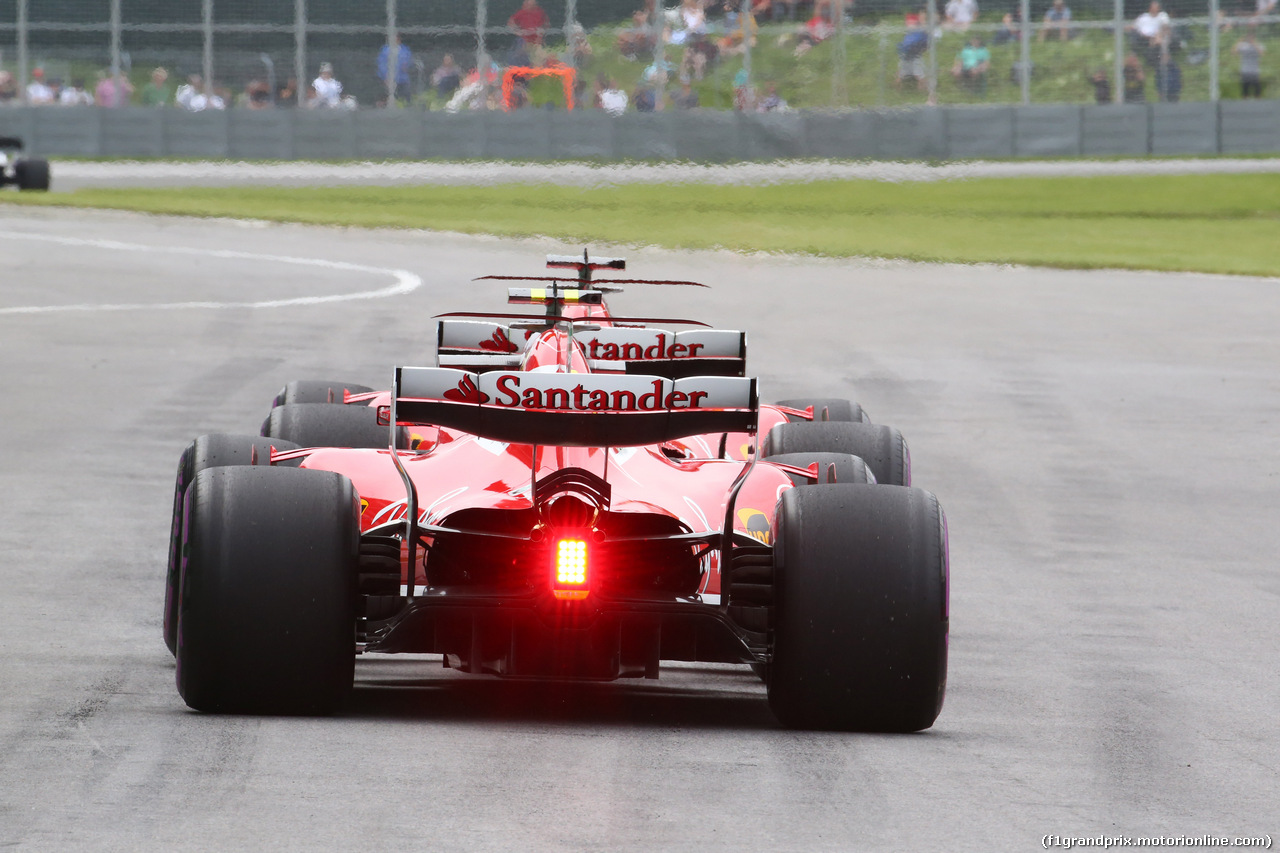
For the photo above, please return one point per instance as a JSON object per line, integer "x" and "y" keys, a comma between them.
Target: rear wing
{"x": 574, "y": 409}
{"x": 484, "y": 346}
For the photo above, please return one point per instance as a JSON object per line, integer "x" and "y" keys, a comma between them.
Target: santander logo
{"x": 512, "y": 394}
{"x": 630, "y": 351}
{"x": 466, "y": 392}
{"x": 498, "y": 343}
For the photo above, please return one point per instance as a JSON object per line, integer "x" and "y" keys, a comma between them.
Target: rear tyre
{"x": 861, "y": 579}
{"x": 31, "y": 173}
{"x": 316, "y": 391}
{"x": 267, "y": 616}
{"x": 837, "y": 410}
{"x": 848, "y": 468}
{"x": 881, "y": 447}
{"x": 207, "y": 451}
{"x": 324, "y": 425}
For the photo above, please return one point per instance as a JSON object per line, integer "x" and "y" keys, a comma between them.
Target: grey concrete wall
{"x": 700, "y": 136}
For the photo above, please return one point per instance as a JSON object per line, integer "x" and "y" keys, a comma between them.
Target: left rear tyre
{"x": 207, "y": 451}
{"x": 266, "y": 618}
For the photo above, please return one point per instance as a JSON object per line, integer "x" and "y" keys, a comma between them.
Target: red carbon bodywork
{"x": 453, "y": 470}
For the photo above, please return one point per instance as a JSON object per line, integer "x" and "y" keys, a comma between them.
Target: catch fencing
{"x": 795, "y": 54}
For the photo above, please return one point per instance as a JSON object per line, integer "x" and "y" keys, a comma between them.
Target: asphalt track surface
{"x": 1106, "y": 445}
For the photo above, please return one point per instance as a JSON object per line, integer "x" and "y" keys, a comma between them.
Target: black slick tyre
{"x": 31, "y": 173}
{"x": 861, "y": 618}
{"x": 881, "y": 447}
{"x": 847, "y": 468}
{"x": 207, "y": 451}
{"x": 834, "y": 408}
{"x": 324, "y": 425}
{"x": 316, "y": 391}
{"x": 267, "y": 607}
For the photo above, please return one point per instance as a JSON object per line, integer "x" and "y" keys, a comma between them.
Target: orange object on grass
{"x": 551, "y": 69}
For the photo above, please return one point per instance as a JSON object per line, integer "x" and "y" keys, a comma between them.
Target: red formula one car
{"x": 568, "y": 494}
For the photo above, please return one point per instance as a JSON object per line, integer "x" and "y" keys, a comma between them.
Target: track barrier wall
{"x": 942, "y": 133}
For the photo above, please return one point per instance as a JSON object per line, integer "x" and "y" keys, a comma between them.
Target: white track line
{"x": 406, "y": 282}
{"x": 303, "y": 173}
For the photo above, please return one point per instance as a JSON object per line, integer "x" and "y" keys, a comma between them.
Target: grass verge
{"x": 1200, "y": 223}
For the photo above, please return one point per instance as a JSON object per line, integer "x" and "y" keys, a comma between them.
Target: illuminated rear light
{"x": 569, "y": 569}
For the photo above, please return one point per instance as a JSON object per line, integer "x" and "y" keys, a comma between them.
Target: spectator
{"x": 645, "y": 98}
{"x": 772, "y": 102}
{"x": 744, "y": 95}
{"x": 612, "y": 99}
{"x": 1146, "y": 32}
{"x": 692, "y": 23}
{"x": 39, "y": 92}
{"x": 960, "y": 14}
{"x": 744, "y": 33}
{"x": 190, "y": 95}
{"x": 529, "y": 22}
{"x": 328, "y": 90}
{"x": 287, "y": 95}
{"x": 8, "y": 88}
{"x": 1101, "y": 86}
{"x": 816, "y": 30}
{"x": 911, "y": 51}
{"x": 447, "y": 78}
{"x": 637, "y": 39}
{"x": 1057, "y": 20}
{"x": 75, "y": 95}
{"x": 1265, "y": 7}
{"x": 256, "y": 95}
{"x": 156, "y": 92}
{"x": 1250, "y": 54}
{"x": 686, "y": 98}
{"x": 404, "y": 63}
{"x": 579, "y": 49}
{"x": 1135, "y": 81}
{"x": 776, "y": 9}
{"x": 971, "y": 66}
{"x": 1009, "y": 31}
{"x": 112, "y": 91}
{"x": 1168, "y": 72}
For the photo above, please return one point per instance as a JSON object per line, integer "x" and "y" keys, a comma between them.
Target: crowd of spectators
{"x": 679, "y": 46}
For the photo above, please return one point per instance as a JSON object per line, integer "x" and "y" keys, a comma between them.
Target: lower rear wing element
{"x": 574, "y": 409}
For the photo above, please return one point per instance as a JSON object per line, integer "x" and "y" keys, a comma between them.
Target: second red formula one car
{"x": 568, "y": 494}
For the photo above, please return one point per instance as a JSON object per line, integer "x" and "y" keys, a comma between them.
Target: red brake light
{"x": 569, "y": 569}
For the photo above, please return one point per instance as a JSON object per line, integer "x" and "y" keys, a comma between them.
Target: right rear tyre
{"x": 267, "y": 607}
{"x": 316, "y": 391}
{"x": 325, "y": 425}
{"x": 861, "y": 609}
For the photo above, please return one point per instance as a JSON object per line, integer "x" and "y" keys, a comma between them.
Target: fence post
{"x": 393, "y": 56}
{"x": 1117, "y": 87}
{"x": 23, "y": 61}
{"x": 300, "y": 51}
{"x": 839, "y": 73}
{"x": 482, "y": 55}
{"x": 882, "y": 77}
{"x": 933, "y": 52}
{"x": 115, "y": 49}
{"x": 570, "y": 18}
{"x": 747, "y": 19}
{"x": 1024, "y": 9}
{"x": 206, "y": 11}
{"x": 1215, "y": 49}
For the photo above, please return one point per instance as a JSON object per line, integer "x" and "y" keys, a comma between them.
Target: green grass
{"x": 1204, "y": 223}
